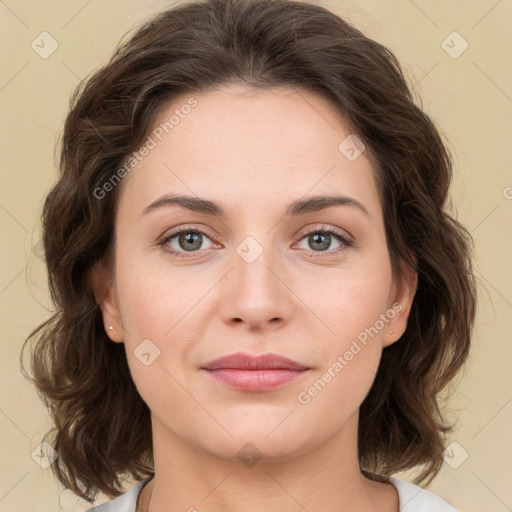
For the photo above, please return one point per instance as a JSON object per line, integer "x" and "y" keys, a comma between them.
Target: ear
{"x": 402, "y": 297}
{"x": 103, "y": 286}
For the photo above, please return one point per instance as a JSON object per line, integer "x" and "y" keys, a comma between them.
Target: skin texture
{"x": 254, "y": 153}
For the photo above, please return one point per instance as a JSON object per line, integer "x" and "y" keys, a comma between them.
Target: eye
{"x": 185, "y": 241}
{"x": 320, "y": 241}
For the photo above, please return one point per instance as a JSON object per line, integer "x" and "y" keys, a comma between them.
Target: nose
{"x": 256, "y": 294}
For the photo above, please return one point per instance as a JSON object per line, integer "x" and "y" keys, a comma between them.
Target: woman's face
{"x": 258, "y": 278}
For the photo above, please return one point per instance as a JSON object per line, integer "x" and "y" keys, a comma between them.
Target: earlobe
{"x": 401, "y": 306}
{"x": 101, "y": 283}
{"x": 115, "y": 334}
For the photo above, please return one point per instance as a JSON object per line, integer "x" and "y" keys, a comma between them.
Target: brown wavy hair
{"x": 102, "y": 426}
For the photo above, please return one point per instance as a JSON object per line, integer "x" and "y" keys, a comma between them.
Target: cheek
{"x": 354, "y": 308}
{"x": 161, "y": 315}
{"x": 153, "y": 300}
{"x": 348, "y": 302}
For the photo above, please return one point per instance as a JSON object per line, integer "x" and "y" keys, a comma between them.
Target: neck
{"x": 325, "y": 477}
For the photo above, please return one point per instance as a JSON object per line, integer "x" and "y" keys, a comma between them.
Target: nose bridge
{"x": 256, "y": 293}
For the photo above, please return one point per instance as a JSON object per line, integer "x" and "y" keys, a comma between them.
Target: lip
{"x": 240, "y": 361}
{"x": 249, "y": 373}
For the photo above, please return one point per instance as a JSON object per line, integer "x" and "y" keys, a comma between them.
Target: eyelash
{"x": 340, "y": 237}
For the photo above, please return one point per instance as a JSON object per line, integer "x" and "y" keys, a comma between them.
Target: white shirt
{"x": 412, "y": 498}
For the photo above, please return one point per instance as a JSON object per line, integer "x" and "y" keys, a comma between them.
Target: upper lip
{"x": 241, "y": 361}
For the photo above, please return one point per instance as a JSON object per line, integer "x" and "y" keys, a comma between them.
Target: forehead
{"x": 239, "y": 146}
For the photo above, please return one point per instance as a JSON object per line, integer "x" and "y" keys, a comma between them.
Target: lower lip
{"x": 255, "y": 380}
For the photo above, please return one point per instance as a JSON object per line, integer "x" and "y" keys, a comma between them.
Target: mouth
{"x": 255, "y": 373}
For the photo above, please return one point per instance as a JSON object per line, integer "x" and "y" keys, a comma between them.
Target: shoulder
{"x": 125, "y": 502}
{"x": 413, "y": 498}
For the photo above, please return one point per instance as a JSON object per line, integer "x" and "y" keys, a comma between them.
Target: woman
{"x": 259, "y": 293}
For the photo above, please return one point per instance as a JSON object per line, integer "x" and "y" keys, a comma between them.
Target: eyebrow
{"x": 299, "y": 207}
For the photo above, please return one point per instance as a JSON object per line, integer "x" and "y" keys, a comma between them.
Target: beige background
{"x": 470, "y": 99}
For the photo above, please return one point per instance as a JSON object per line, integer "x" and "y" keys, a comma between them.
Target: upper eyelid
{"x": 186, "y": 229}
